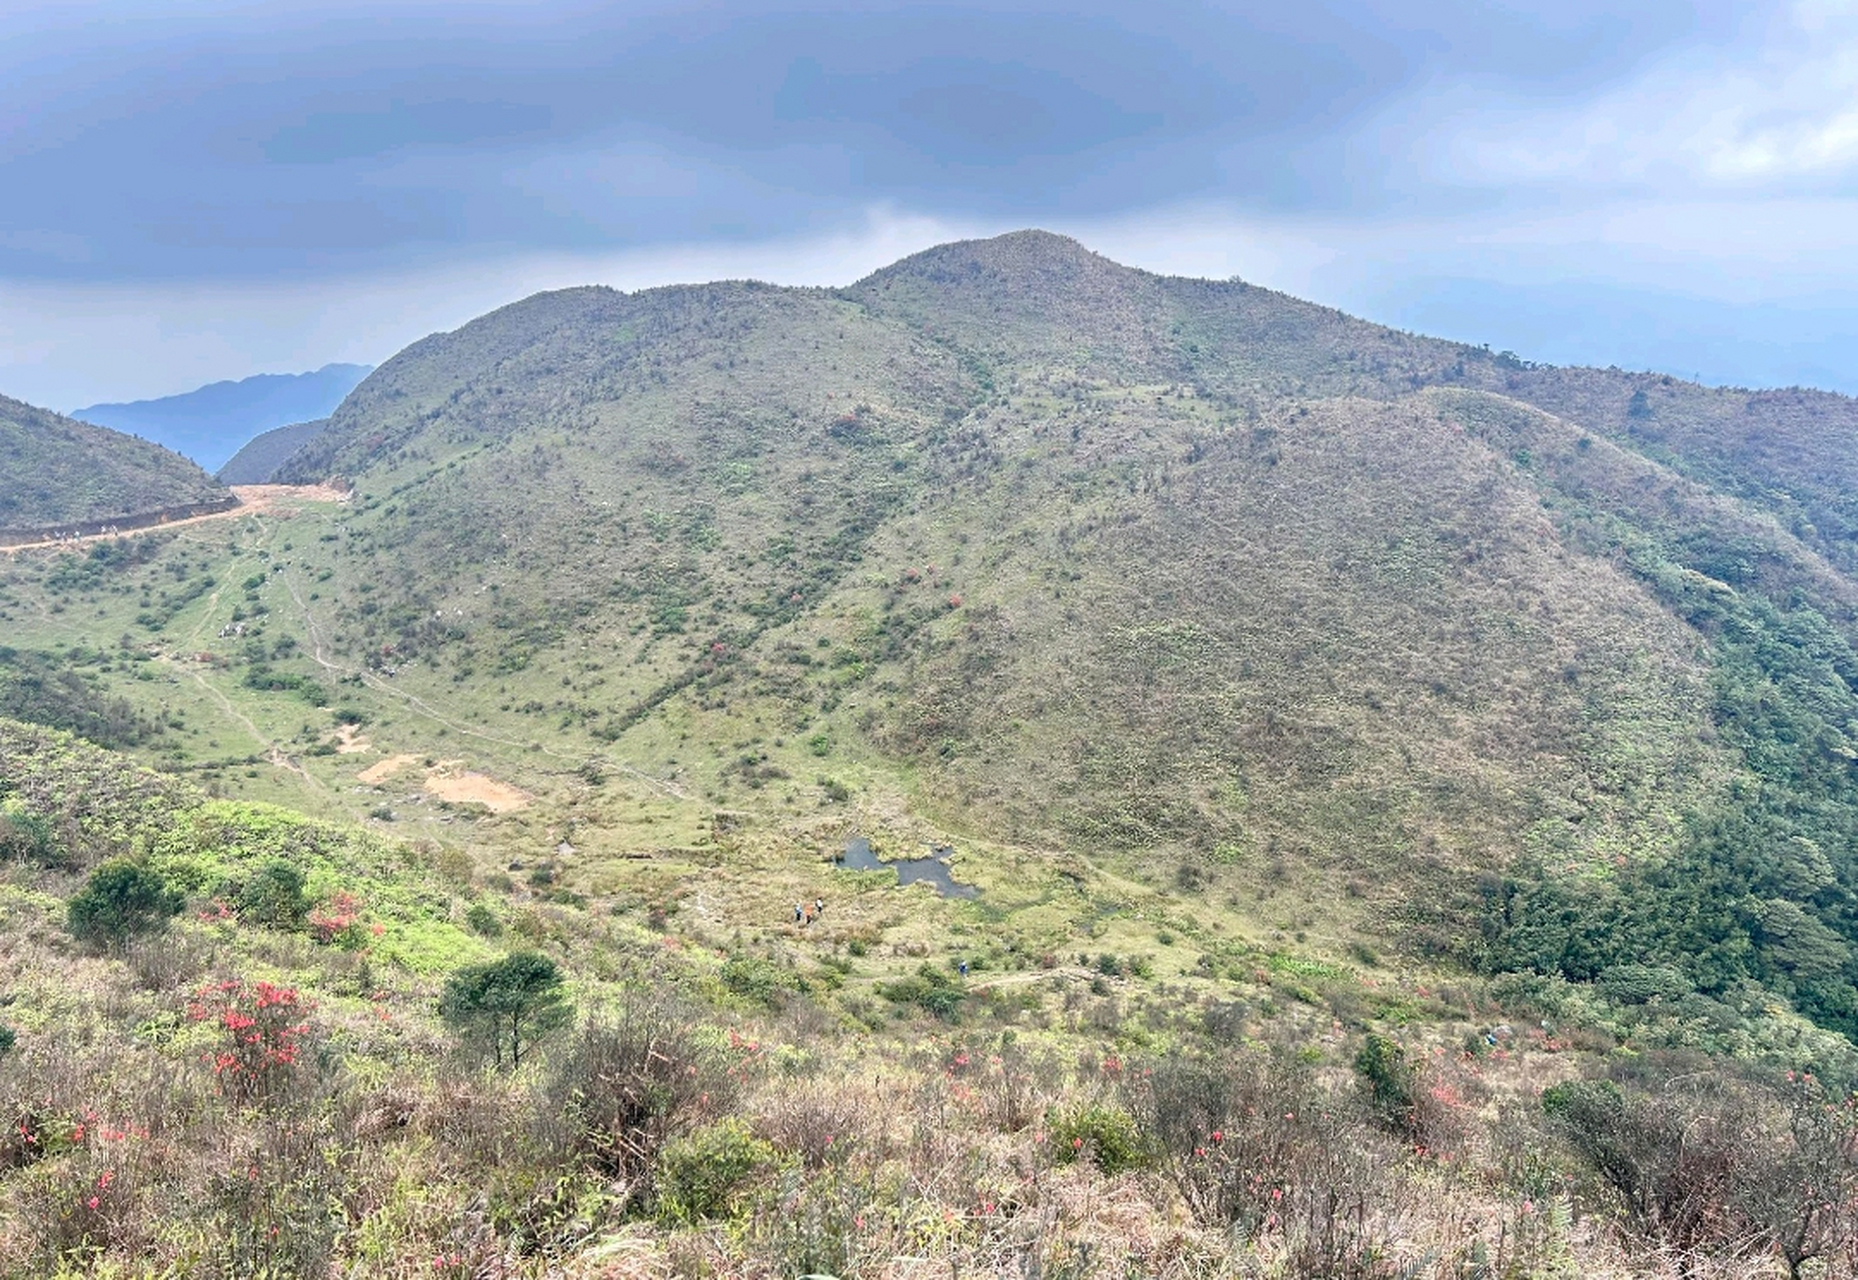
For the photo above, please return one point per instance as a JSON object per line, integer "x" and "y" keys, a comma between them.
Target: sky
{"x": 205, "y": 189}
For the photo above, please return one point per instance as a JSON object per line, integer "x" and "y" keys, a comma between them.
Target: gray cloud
{"x": 226, "y": 187}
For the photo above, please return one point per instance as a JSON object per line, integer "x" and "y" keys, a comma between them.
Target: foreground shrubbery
{"x": 259, "y": 1134}
{"x": 311, "y": 1070}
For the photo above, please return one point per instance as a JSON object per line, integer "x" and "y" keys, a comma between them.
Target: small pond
{"x": 932, "y": 870}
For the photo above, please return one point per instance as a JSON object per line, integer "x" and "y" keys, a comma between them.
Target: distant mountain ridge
{"x": 212, "y": 423}
{"x": 62, "y": 475}
{"x": 261, "y": 456}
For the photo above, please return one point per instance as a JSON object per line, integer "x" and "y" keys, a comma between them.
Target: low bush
{"x": 1256, "y": 1146}
{"x": 705, "y": 1174}
{"x": 122, "y": 900}
{"x": 274, "y": 896}
{"x": 1101, "y": 1133}
{"x": 628, "y": 1085}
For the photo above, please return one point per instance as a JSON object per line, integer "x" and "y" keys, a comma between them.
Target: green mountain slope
{"x": 1263, "y": 600}
{"x": 63, "y": 472}
{"x": 1406, "y": 803}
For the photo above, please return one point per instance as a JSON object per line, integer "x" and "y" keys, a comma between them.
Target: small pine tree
{"x": 508, "y": 1005}
{"x": 122, "y": 899}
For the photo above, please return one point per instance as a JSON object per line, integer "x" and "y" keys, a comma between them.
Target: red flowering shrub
{"x": 263, "y": 1026}
{"x": 338, "y": 922}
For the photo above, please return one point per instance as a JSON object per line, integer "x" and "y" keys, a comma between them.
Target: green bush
{"x": 8, "y": 1037}
{"x": 757, "y": 980}
{"x": 704, "y": 1175}
{"x": 1389, "y": 1079}
{"x": 483, "y": 921}
{"x": 1105, "y": 1135}
{"x": 929, "y": 988}
{"x": 274, "y": 896}
{"x": 25, "y": 837}
{"x": 122, "y": 899}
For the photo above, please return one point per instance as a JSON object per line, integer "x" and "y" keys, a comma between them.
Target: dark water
{"x": 933, "y": 870}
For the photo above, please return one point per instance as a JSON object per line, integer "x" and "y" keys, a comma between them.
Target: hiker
{"x": 799, "y": 913}
{"x": 964, "y": 968}
{"x": 819, "y": 906}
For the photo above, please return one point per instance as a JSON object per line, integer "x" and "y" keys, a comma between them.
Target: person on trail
{"x": 799, "y": 913}
{"x": 964, "y": 968}
{"x": 819, "y": 907}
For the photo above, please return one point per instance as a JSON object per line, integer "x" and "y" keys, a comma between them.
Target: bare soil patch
{"x": 382, "y": 770}
{"x": 265, "y": 497}
{"x": 476, "y": 788}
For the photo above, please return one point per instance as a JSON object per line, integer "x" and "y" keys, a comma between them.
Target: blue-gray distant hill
{"x": 211, "y": 424}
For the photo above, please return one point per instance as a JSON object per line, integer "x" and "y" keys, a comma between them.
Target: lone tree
{"x": 122, "y": 900}
{"x": 507, "y": 1005}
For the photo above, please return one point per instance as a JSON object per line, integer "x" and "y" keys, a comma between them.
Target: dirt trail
{"x": 254, "y": 499}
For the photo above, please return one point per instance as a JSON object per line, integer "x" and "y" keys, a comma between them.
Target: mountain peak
{"x": 1023, "y": 255}
{"x": 1028, "y": 290}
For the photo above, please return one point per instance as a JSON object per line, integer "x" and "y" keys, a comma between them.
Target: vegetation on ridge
{"x": 63, "y": 472}
{"x": 1409, "y": 794}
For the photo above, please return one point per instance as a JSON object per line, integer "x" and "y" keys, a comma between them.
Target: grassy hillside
{"x": 278, "y": 1078}
{"x": 1279, "y": 681}
{"x": 1266, "y": 598}
{"x": 60, "y": 471}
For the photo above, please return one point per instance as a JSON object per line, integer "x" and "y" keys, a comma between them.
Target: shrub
{"x": 338, "y": 924}
{"x": 1704, "y": 1166}
{"x": 1389, "y": 1079}
{"x": 506, "y": 1006}
{"x": 483, "y": 921}
{"x": 703, "y": 1175}
{"x": 122, "y": 900}
{"x": 8, "y": 1037}
{"x": 274, "y": 896}
{"x": 1254, "y": 1145}
{"x": 628, "y": 1086}
{"x": 25, "y": 837}
{"x": 1103, "y": 1134}
{"x": 263, "y": 1030}
{"x": 757, "y": 980}
{"x": 928, "y": 988}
